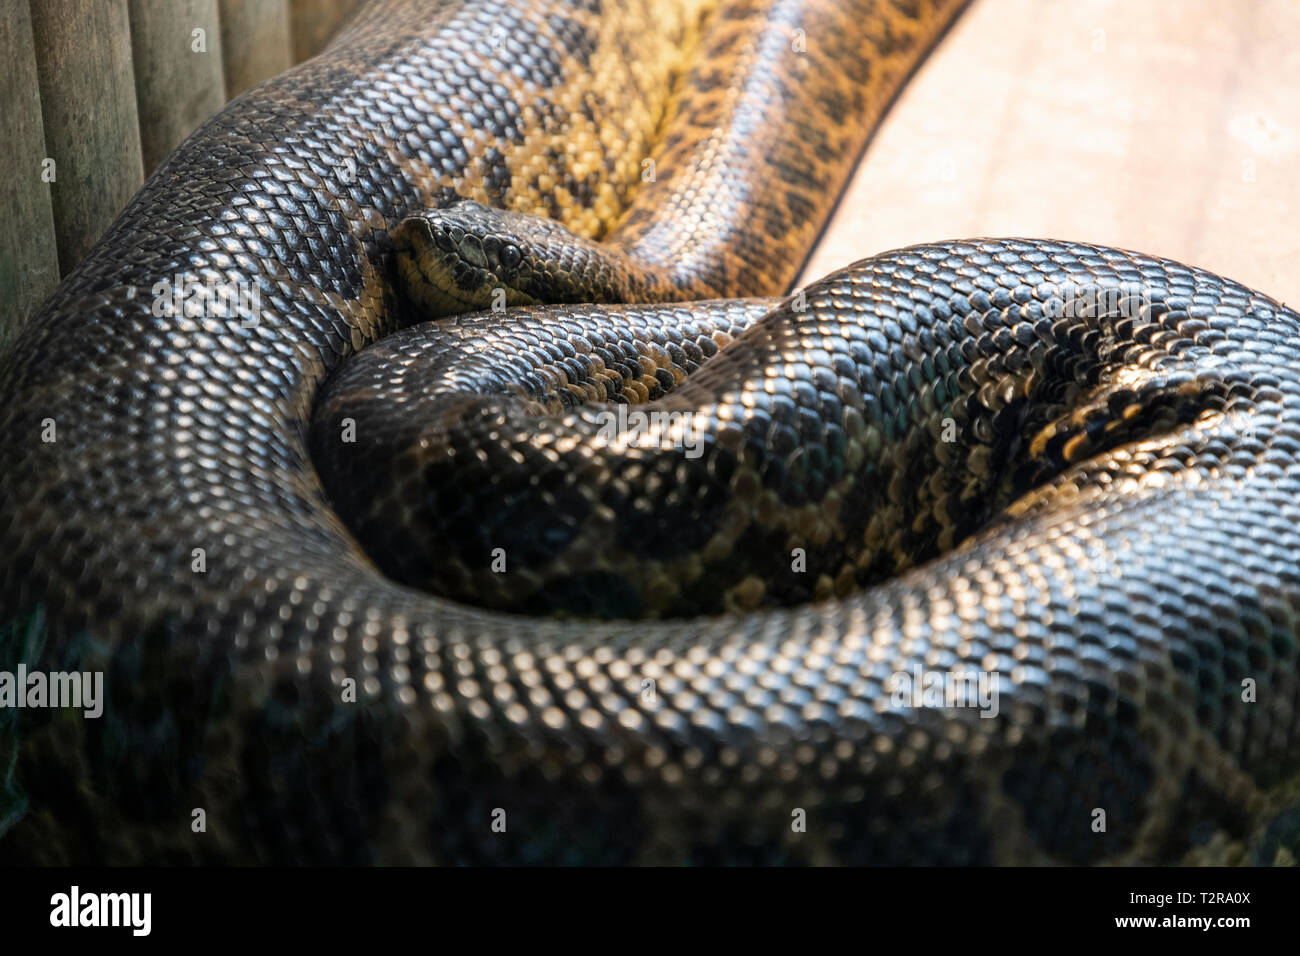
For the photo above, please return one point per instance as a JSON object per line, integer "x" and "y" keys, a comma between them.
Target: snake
{"x": 522, "y": 511}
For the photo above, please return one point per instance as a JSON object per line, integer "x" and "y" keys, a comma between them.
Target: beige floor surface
{"x": 1166, "y": 126}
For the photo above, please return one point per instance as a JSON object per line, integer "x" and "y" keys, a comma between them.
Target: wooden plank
{"x": 179, "y": 80}
{"x": 29, "y": 258}
{"x": 1167, "y": 126}
{"x": 312, "y": 23}
{"x": 254, "y": 41}
{"x": 83, "y": 63}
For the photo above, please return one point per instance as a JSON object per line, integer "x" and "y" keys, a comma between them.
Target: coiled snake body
{"x": 1068, "y": 470}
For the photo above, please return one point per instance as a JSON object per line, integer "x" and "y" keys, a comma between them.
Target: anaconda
{"x": 1069, "y": 472}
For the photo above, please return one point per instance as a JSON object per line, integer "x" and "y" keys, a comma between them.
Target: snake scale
{"x": 1068, "y": 470}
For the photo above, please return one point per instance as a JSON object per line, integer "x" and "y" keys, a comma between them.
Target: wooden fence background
{"x": 96, "y": 93}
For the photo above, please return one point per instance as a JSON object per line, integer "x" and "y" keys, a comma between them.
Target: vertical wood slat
{"x": 179, "y": 80}
{"x": 106, "y": 89}
{"x": 314, "y": 23}
{"x": 92, "y": 130}
{"x": 254, "y": 41}
{"x": 29, "y": 259}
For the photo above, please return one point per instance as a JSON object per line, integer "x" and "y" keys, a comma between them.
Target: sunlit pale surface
{"x": 1166, "y": 126}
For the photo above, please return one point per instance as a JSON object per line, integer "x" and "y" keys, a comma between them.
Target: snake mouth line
{"x": 429, "y": 276}
{"x": 433, "y": 291}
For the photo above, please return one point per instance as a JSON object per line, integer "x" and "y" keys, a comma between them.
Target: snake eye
{"x": 510, "y": 256}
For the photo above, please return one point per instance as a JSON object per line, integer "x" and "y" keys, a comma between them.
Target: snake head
{"x": 467, "y": 256}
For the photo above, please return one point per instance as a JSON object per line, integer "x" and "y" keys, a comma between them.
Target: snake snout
{"x": 446, "y": 269}
{"x": 464, "y": 257}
